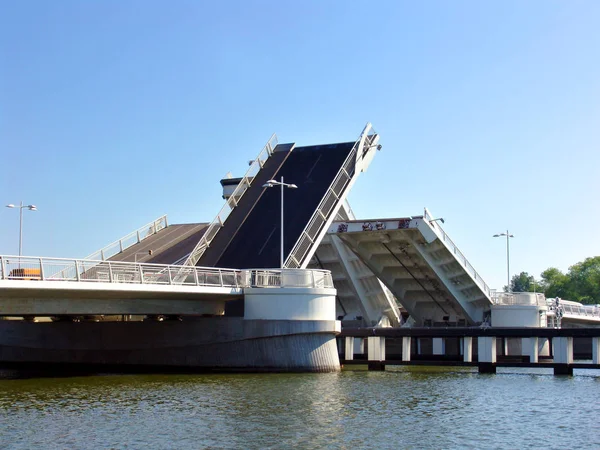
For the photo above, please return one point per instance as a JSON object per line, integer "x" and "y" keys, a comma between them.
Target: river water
{"x": 404, "y": 407}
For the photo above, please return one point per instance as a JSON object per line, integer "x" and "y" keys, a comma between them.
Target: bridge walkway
{"x": 55, "y": 287}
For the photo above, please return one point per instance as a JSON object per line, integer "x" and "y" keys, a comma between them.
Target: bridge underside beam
{"x": 17, "y": 306}
{"x": 418, "y": 269}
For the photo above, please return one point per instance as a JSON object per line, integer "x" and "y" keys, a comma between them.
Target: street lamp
{"x": 21, "y": 206}
{"x": 508, "y": 236}
{"x": 436, "y": 220}
{"x": 270, "y": 184}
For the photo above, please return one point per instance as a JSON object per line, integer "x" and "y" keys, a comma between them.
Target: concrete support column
{"x": 596, "y": 350}
{"x": 530, "y": 348}
{"x": 486, "y": 349}
{"x": 406, "y": 348}
{"x": 349, "y": 348}
{"x": 376, "y": 352}
{"x": 563, "y": 355}
{"x": 467, "y": 349}
{"x": 359, "y": 346}
{"x": 544, "y": 347}
{"x": 439, "y": 346}
{"x": 418, "y": 346}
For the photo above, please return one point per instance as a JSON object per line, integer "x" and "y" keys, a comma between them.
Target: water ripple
{"x": 406, "y": 407}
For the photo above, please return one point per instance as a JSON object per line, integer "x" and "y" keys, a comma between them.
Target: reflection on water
{"x": 406, "y": 407}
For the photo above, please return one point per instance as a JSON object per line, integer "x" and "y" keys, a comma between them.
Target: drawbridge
{"x": 384, "y": 270}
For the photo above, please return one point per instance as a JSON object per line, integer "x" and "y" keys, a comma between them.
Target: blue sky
{"x": 113, "y": 113}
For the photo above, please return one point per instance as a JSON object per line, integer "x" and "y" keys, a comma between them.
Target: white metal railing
{"x": 299, "y": 278}
{"x": 564, "y": 308}
{"x": 81, "y": 270}
{"x": 131, "y": 239}
{"x": 232, "y": 201}
{"x": 331, "y": 199}
{"x": 86, "y": 271}
{"x": 349, "y": 210}
{"x": 506, "y": 298}
{"x": 457, "y": 253}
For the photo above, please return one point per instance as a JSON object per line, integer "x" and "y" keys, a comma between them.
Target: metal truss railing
{"x": 86, "y": 271}
{"x": 562, "y": 308}
{"x": 232, "y": 202}
{"x": 336, "y": 192}
{"x": 131, "y": 239}
{"x": 82, "y": 270}
{"x": 299, "y": 278}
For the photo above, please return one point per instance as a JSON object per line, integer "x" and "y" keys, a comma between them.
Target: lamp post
{"x": 270, "y": 184}
{"x": 508, "y": 236}
{"x": 21, "y": 206}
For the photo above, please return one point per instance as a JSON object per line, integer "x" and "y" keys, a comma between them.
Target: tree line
{"x": 581, "y": 283}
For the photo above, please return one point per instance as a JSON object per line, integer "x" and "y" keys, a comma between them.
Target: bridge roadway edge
{"x": 200, "y": 344}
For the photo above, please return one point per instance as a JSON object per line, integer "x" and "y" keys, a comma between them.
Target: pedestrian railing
{"x": 297, "y": 278}
{"x": 131, "y": 239}
{"x": 88, "y": 271}
{"x": 462, "y": 260}
{"x": 508, "y": 299}
{"x": 588, "y": 311}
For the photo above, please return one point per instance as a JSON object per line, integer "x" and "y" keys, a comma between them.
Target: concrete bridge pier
{"x": 596, "y": 350}
{"x": 486, "y": 348}
{"x": 530, "y": 348}
{"x": 349, "y": 348}
{"x": 376, "y": 352}
{"x": 439, "y": 346}
{"x": 563, "y": 355}
{"x": 406, "y": 345}
{"x": 467, "y": 348}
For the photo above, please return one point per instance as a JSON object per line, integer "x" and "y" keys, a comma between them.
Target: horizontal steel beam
{"x": 471, "y": 332}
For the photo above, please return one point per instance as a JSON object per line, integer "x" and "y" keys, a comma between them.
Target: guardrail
{"x": 298, "y": 278}
{"x": 565, "y": 309}
{"x": 505, "y": 298}
{"x": 458, "y": 254}
{"x": 82, "y": 270}
{"x": 336, "y": 191}
{"x": 131, "y": 239}
{"x": 87, "y": 271}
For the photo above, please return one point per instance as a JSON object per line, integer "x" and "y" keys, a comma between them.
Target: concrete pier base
{"x": 376, "y": 365}
{"x": 563, "y": 369}
{"x": 221, "y": 344}
{"x": 487, "y": 367}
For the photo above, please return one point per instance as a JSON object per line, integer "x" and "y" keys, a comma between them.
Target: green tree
{"x": 581, "y": 283}
{"x": 584, "y": 280}
{"x": 523, "y": 282}
{"x": 555, "y": 283}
